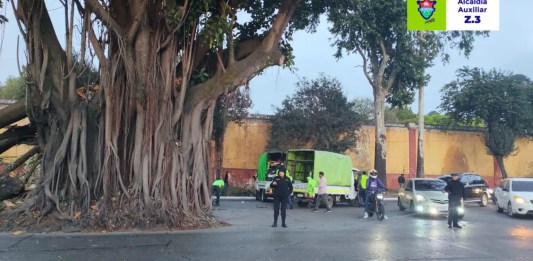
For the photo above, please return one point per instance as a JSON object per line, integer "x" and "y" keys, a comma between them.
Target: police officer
{"x": 288, "y": 175}
{"x": 282, "y": 188}
{"x": 456, "y": 193}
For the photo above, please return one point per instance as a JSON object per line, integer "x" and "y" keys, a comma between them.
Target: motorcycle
{"x": 376, "y": 205}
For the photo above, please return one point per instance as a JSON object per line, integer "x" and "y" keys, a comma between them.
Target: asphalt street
{"x": 340, "y": 235}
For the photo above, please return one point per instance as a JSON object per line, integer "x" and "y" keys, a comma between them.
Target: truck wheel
{"x": 263, "y": 196}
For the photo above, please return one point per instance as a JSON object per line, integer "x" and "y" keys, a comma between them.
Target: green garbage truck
{"x": 268, "y": 163}
{"x": 337, "y": 168}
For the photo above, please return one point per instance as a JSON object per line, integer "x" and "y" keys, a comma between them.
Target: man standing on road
{"x": 401, "y": 180}
{"x": 282, "y": 189}
{"x": 456, "y": 193}
{"x": 217, "y": 188}
{"x": 288, "y": 175}
{"x": 322, "y": 192}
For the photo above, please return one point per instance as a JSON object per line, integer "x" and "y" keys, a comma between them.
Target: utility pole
{"x": 420, "y": 151}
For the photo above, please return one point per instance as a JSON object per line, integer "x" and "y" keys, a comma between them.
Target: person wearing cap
{"x": 322, "y": 192}
{"x": 456, "y": 193}
{"x": 217, "y": 188}
{"x": 373, "y": 184}
{"x": 282, "y": 189}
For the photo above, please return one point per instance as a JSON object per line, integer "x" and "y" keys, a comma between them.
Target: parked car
{"x": 516, "y": 196}
{"x": 476, "y": 188}
{"x": 425, "y": 196}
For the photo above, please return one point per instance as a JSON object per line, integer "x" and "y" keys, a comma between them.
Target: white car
{"x": 425, "y": 196}
{"x": 515, "y": 195}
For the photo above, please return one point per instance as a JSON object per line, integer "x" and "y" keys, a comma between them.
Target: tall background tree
{"x": 501, "y": 101}
{"x": 392, "y": 61}
{"x": 317, "y": 115}
{"x": 132, "y": 148}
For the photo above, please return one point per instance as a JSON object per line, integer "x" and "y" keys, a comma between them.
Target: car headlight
{"x": 490, "y": 191}
{"x": 460, "y": 210}
{"x": 519, "y": 200}
{"x": 420, "y": 198}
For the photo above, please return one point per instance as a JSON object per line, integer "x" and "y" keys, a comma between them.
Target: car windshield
{"x": 523, "y": 186}
{"x": 429, "y": 185}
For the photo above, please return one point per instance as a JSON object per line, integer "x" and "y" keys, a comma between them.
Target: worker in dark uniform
{"x": 282, "y": 188}
{"x": 456, "y": 193}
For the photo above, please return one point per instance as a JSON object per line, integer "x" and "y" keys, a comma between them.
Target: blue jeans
{"x": 368, "y": 197}
{"x": 216, "y": 191}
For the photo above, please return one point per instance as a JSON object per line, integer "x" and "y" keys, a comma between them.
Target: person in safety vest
{"x": 361, "y": 187}
{"x": 311, "y": 187}
{"x": 217, "y": 187}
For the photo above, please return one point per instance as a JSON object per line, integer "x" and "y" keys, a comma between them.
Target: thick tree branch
{"x": 12, "y": 113}
{"x": 97, "y": 47}
{"x": 15, "y": 136}
{"x": 140, "y": 11}
{"x": 383, "y": 64}
{"x": 392, "y": 77}
{"x": 365, "y": 65}
{"x": 105, "y": 16}
{"x": 20, "y": 160}
{"x": 267, "y": 54}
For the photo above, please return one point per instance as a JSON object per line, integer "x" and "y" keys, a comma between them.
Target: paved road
{"x": 340, "y": 235}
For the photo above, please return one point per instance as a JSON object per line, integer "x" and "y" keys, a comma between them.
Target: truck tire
{"x": 263, "y": 196}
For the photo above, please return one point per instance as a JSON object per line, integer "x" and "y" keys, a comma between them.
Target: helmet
{"x": 373, "y": 172}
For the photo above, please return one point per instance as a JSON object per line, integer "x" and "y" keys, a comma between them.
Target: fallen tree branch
{"x": 20, "y": 160}
{"x": 15, "y": 136}
{"x": 12, "y": 113}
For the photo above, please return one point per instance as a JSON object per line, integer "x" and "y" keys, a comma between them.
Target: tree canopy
{"x": 501, "y": 101}
{"x": 318, "y": 115}
{"x": 13, "y": 88}
{"x": 394, "y": 58}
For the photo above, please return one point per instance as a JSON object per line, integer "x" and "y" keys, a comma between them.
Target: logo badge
{"x": 426, "y": 8}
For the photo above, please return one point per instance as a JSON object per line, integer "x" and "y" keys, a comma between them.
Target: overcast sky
{"x": 509, "y": 49}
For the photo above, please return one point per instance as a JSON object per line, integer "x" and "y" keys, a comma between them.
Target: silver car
{"x": 425, "y": 196}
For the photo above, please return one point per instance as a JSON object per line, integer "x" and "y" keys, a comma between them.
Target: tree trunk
{"x": 138, "y": 152}
{"x": 501, "y": 163}
{"x": 420, "y": 151}
{"x": 380, "y": 160}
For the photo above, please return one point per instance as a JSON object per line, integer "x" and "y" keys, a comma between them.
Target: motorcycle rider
{"x": 373, "y": 185}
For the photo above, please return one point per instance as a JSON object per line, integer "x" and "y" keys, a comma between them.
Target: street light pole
{"x": 420, "y": 151}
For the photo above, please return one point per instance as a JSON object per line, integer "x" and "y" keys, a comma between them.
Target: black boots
{"x": 275, "y": 224}
{"x": 284, "y": 225}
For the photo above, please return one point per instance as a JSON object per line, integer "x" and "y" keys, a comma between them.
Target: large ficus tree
{"x": 501, "y": 101}
{"x": 134, "y": 146}
{"x": 394, "y": 59}
{"x": 317, "y": 115}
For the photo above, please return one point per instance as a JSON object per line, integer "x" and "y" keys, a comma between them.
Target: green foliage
{"x": 365, "y": 108}
{"x": 377, "y": 30}
{"x": 13, "y": 89}
{"x": 499, "y": 100}
{"x": 318, "y": 115}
